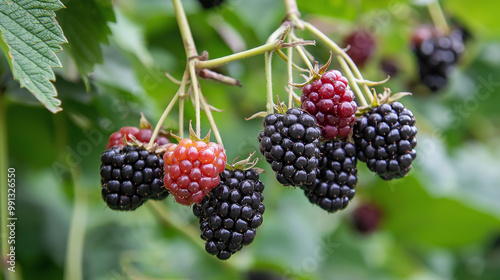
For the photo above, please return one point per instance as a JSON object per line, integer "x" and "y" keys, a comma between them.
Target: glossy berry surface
{"x": 331, "y": 101}
{"x": 192, "y": 169}
{"x": 230, "y": 215}
{"x": 117, "y": 139}
{"x": 361, "y": 46}
{"x": 437, "y": 55}
{"x": 385, "y": 140}
{"x": 366, "y": 218}
{"x": 129, "y": 176}
{"x": 333, "y": 189}
{"x": 290, "y": 143}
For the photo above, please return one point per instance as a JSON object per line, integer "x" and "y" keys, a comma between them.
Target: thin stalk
{"x": 354, "y": 85}
{"x": 438, "y": 17}
{"x": 74, "y": 253}
{"x": 196, "y": 89}
{"x": 304, "y": 57}
{"x": 181, "y": 118}
{"x": 216, "y": 62}
{"x": 187, "y": 37}
{"x": 269, "y": 82}
{"x": 4, "y": 162}
{"x": 350, "y": 67}
{"x": 290, "y": 75}
{"x": 210, "y": 117}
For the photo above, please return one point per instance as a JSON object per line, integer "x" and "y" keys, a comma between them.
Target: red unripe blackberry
{"x": 361, "y": 46}
{"x": 366, "y": 218}
{"x": 290, "y": 143}
{"x": 334, "y": 186}
{"x": 192, "y": 169}
{"x": 385, "y": 140}
{"x": 142, "y": 135}
{"x": 129, "y": 176}
{"x": 331, "y": 101}
{"x": 230, "y": 215}
{"x": 436, "y": 55}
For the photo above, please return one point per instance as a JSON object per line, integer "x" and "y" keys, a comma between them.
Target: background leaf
{"x": 33, "y": 36}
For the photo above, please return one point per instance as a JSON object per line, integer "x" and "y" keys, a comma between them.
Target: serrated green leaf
{"x": 29, "y": 29}
{"x": 85, "y": 26}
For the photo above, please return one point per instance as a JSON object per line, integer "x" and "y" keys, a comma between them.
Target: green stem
{"x": 187, "y": 37}
{"x": 216, "y": 62}
{"x": 196, "y": 89}
{"x": 438, "y": 17}
{"x": 290, "y": 75}
{"x": 181, "y": 118}
{"x": 74, "y": 252}
{"x": 161, "y": 121}
{"x": 4, "y": 162}
{"x": 269, "y": 82}
{"x": 210, "y": 117}
{"x": 304, "y": 57}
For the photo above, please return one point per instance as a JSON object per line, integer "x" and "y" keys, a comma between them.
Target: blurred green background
{"x": 440, "y": 222}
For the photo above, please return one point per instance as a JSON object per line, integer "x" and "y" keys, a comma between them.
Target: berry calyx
{"x": 385, "y": 140}
{"x": 230, "y": 215}
{"x": 192, "y": 169}
{"x": 129, "y": 176}
{"x": 290, "y": 143}
{"x": 122, "y": 136}
{"x": 333, "y": 189}
{"x": 330, "y": 100}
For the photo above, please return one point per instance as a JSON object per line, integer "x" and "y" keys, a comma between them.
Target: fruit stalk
{"x": 187, "y": 37}
{"x": 438, "y": 17}
{"x": 196, "y": 89}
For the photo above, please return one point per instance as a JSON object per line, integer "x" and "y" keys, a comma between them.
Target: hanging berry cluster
{"x": 313, "y": 141}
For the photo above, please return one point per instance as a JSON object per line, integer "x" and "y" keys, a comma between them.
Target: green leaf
{"x": 85, "y": 26}
{"x": 29, "y": 29}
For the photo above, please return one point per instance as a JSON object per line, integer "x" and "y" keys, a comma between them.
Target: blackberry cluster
{"x": 331, "y": 101}
{"x": 436, "y": 56}
{"x": 385, "y": 140}
{"x": 129, "y": 176}
{"x": 207, "y": 4}
{"x": 290, "y": 143}
{"x": 230, "y": 215}
{"x": 334, "y": 187}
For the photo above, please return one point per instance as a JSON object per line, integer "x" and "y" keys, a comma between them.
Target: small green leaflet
{"x": 30, "y": 30}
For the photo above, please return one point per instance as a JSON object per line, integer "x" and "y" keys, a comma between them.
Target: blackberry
{"x": 331, "y": 102}
{"x": 366, "y": 218}
{"x": 290, "y": 143}
{"x": 361, "y": 46}
{"x": 334, "y": 187}
{"x": 129, "y": 176}
{"x": 230, "y": 215}
{"x": 436, "y": 55}
{"x": 207, "y": 4}
{"x": 385, "y": 140}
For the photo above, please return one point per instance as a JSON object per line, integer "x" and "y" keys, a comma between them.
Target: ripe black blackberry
{"x": 129, "y": 176}
{"x": 366, "y": 218}
{"x": 436, "y": 55}
{"x": 385, "y": 140}
{"x": 230, "y": 215}
{"x": 207, "y": 4}
{"x": 290, "y": 143}
{"x": 334, "y": 187}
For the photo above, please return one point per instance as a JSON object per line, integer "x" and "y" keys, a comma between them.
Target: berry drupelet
{"x": 129, "y": 176}
{"x": 331, "y": 102}
{"x": 385, "y": 140}
{"x": 290, "y": 143}
{"x": 230, "y": 215}
{"x": 333, "y": 189}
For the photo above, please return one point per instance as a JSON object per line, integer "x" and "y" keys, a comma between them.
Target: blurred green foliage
{"x": 440, "y": 222}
